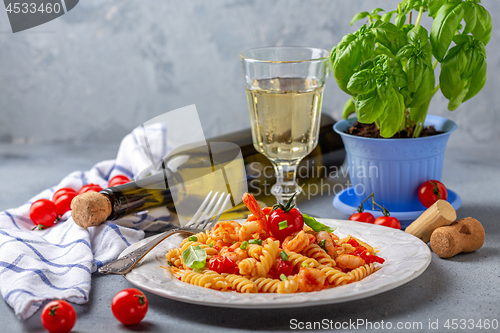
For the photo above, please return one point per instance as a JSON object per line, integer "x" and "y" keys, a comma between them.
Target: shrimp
{"x": 323, "y": 237}
{"x": 296, "y": 241}
{"x": 248, "y": 229}
{"x": 258, "y": 213}
{"x": 234, "y": 253}
{"x": 226, "y": 231}
{"x": 311, "y": 279}
{"x": 349, "y": 261}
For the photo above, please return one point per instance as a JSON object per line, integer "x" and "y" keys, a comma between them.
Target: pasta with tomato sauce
{"x": 252, "y": 259}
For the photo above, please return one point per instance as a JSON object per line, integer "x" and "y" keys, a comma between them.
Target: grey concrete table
{"x": 464, "y": 287}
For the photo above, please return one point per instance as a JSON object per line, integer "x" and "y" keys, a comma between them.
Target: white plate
{"x": 406, "y": 258}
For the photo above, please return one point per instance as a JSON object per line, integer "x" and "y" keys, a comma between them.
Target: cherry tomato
{"x": 118, "y": 180}
{"x": 58, "y": 317}
{"x": 43, "y": 213}
{"x": 90, "y": 187}
{"x": 431, "y": 191}
{"x": 281, "y": 267}
{"x": 388, "y": 221}
{"x": 362, "y": 217}
{"x": 294, "y": 222}
{"x": 129, "y": 306}
{"x": 62, "y": 191}
{"x": 63, "y": 202}
{"x": 221, "y": 264}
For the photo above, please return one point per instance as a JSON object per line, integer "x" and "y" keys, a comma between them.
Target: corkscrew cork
{"x": 90, "y": 209}
{"x": 441, "y": 213}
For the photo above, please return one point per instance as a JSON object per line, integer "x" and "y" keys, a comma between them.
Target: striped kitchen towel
{"x": 57, "y": 263}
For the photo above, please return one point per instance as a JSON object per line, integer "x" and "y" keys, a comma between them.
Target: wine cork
{"x": 441, "y": 213}
{"x": 465, "y": 235}
{"x": 90, "y": 209}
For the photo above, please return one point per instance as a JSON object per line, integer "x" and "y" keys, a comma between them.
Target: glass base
{"x": 284, "y": 191}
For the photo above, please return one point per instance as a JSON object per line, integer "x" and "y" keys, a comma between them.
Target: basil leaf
{"x": 400, "y": 20}
{"x": 384, "y": 89}
{"x": 470, "y": 17}
{"x": 194, "y": 257}
{"x": 376, "y": 10}
{"x": 399, "y": 76}
{"x": 391, "y": 119}
{"x": 444, "y": 28}
{"x": 478, "y": 80}
{"x": 349, "y": 108}
{"x": 423, "y": 93}
{"x": 359, "y": 16}
{"x": 418, "y": 36}
{"x": 369, "y": 107}
{"x": 483, "y": 26}
{"x": 389, "y": 35}
{"x": 388, "y": 16}
{"x": 414, "y": 72}
{"x": 315, "y": 225}
{"x": 362, "y": 82}
{"x": 434, "y": 6}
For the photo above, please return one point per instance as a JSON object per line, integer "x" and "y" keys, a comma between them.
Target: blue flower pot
{"x": 394, "y": 169}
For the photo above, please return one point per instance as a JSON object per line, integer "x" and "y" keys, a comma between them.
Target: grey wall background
{"x": 105, "y": 67}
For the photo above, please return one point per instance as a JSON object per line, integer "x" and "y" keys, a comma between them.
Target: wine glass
{"x": 284, "y": 88}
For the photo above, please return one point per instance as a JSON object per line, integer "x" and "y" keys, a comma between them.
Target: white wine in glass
{"x": 285, "y": 91}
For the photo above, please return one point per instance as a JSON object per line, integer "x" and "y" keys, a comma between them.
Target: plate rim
{"x": 275, "y": 300}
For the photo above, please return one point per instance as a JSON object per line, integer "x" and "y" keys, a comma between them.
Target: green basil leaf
{"x": 359, "y": 16}
{"x": 367, "y": 46}
{"x": 376, "y": 10}
{"x": 452, "y": 68}
{"x": 418, "y": 36}
{"x": 389, "y": 35}
{"x": 470, "y": 17}
{"x": 434, "y": 6}
{"x": 478, "y": 80}
{"x": 194, "y": 257}
{"x": 414, "y": 72}
{"x": 406, "y": 95}
{"x": 348, "y": 108}
{"x": 390, "y": 121}
{"x": 362, "y": 82}
{"x": 385, "y": 89}
{"x": 418, "y": 114}
{"x": 381, "y": 49}
{"x": 388, "y": 16}
{"x": 315, "y": 225}
{"x": 369, "y": 107}
{"x": 423, "y": 93}
{"x": 458, "y": 97}
{"x": 400, "y": 20}
{"x": 483, "y": 26}
{"x": 444, "y": 28}
{"x": 347, "y": 58}
{"x": 399, "y": 76}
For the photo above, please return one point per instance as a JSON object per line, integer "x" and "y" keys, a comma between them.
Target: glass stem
{"x": 286, "y": 184}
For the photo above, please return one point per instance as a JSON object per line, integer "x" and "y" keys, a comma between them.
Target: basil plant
{"x": 388, "y": 66}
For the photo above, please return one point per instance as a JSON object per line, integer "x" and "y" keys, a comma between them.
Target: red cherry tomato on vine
{"x": 43, "y": 213}
{"x": 61, "y": 191}
{"x": 362, "y": 217}
{"x": 280, "y": 229}
{"x": 118, "y": 180}
{"x": 431, "y": 191}
{"x": 58, "y": 317}
{"x": 388, "y": 221}
{"x": 129, "y": 306}
{"x": 90, "y": 187}
{"x": 63, "y": 202}
{"x": 221, "y": 264}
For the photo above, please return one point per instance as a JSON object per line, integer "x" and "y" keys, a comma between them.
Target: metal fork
{"x": 200, "y": 221}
